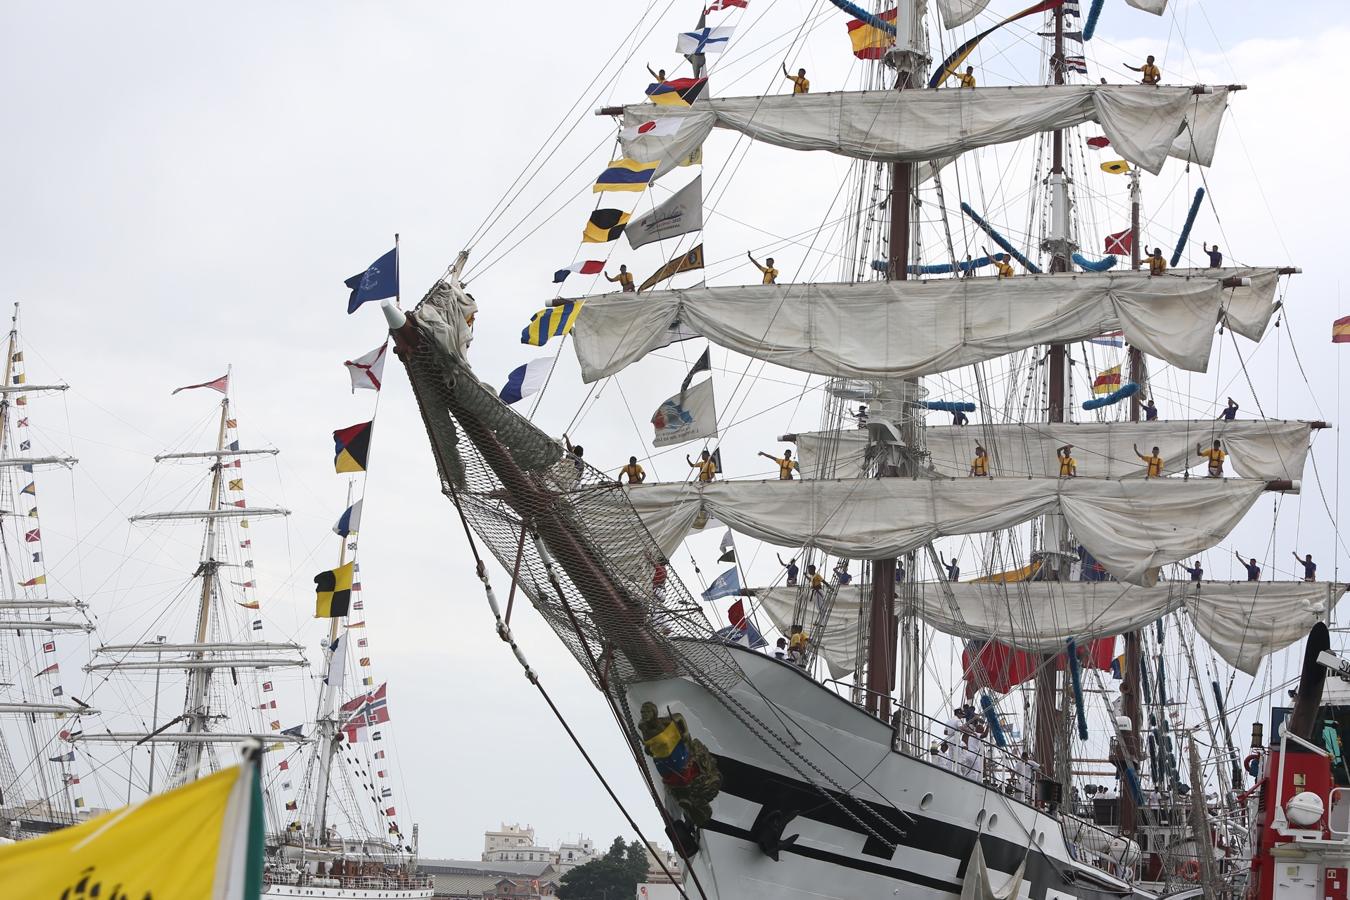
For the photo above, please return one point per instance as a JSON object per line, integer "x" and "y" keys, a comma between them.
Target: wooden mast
{"x": 882, "y": 636}
{"x": 1047, "y": 712}
{"x": 1130, "y": 746}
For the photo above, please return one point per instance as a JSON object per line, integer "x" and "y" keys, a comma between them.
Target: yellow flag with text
{"x": 202, "y": 841}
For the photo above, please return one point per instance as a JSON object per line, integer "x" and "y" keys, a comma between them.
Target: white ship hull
{"x": 329, "y": 892}
{"x": 933, "y": 816}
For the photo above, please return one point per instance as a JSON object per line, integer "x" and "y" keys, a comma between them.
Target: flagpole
{"x": 398, "y": 300}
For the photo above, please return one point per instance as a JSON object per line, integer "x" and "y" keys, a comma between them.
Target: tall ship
{"x": 236, "y": 684}
{"x": 997, "y": 408}
{"x": 42, "y": 626}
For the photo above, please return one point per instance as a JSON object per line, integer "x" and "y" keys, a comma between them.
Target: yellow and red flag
{"x": 1107, "y": 381}
{"x": 1340, "y": 330}
{"x": 869, "y": 41}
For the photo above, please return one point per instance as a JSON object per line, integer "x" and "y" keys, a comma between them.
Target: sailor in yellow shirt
{"x": 707, "y": 467}
{"x": 770, "y": 273}
{"x": 1154, "y": 461}
{"x": 967, "y": 78}
{"x": 1215, "y": 455}
{"x": 786, "y": 465}
{"x": 1152, "y": 74}
{"x": 1068, "y": 466}
{"x": 799, "y": 83}
{"x": 633, "y": 471}
{"x": 979, "y": 466}
{"x": 624, "y": 278}
{"x": 1156, "y": 264}
{"x": 1000, "y": 261}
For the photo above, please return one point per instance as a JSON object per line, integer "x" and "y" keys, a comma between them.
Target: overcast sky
{"x": 185, "y": 188}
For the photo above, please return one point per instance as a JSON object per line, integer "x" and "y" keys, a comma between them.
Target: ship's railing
{"x": 386, "y": 881}
{"x": 967, "y": 754}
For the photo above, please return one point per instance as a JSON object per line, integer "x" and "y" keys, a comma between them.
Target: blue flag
{"x": 378, "y": 282}
{"x": 526, "y": 380}
{"x": 350, "y": 521}
{"x": 728, "y": 584}
{"x": 746, "y": 633}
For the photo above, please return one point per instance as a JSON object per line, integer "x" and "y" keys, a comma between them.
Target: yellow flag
{"x": 236, "y": 484}
{"x": 199, "y": 842}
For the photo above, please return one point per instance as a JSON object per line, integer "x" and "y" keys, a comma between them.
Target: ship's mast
{"x": 1130, "y": 747}
{"x": 326, "y": 725}
{"x": 195, "y": 716}
{"x": 908, "y": 57}
{"x": 1048, "y": 715}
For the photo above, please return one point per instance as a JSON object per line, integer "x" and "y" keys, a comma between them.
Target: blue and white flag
{"x": 704, "y": 40}
{"x": 378, "y": 282}
{"x": 728, "y": 584}
{"x": 350, "y": 521}
{"x": 526, "y": 380}
{"x": 746, "y": 633}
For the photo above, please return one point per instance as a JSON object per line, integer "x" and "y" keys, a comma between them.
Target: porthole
{"x": 993, "y": 820}
{"x": 926, "y": 802}
{"x": 979, "y": 819}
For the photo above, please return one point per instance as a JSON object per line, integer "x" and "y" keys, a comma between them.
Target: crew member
{"x": 624, "y": 278}
{"x": 633, "y": 471}
{"x": 1001, "y": 262}
{"x": 1150, "y": 411}
{"x": 792, "y": 570}
{"x": 1152, "y": 74}
{"x": 660, "y": 76}
{"x": 577, "y": 452}
{"x": 786, "y": 465}
{"x": 1309, "y": 567}
{"x": 1156, "y": 264}
{"x": 1215, "y": 455}
{"x": 1253, "y": 570}
{"x": 1215, "y": 257}
{"x": 1230, "y": 411}
{"x": 953, "y": 568}
{"x": 966, "y": 78}
{"x": 706, "y": 465}
{"x": 770, "y": 273}
{"x": 979, "y": 466}
{"x": 959, "y": 418}
{"x": 1196, "y": 573}
{"x": 1068, "y": 466}
{"x": 841, "y": 572}
{"x": 799, "y": 83}
{"x": 1154, "y": 461}
{"x": 861, "y": 417}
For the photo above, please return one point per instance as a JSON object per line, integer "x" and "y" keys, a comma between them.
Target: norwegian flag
{"x": 717, "y": 5}
{"x": 364, "y": 711}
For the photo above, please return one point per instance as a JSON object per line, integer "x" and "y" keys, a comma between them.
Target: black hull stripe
{"x": 766, "y": 788}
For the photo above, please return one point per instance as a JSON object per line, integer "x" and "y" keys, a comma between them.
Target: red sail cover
{"x": 1000, "y": 668}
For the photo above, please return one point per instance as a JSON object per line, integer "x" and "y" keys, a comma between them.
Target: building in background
{"x": 516, "y": 844}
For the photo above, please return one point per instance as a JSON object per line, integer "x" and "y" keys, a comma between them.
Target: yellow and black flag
{"x": 351, "y": 447}
{"x": 687, "y": 263}
{"x": 333, "y": 592}
{"x": 605, "y": 225}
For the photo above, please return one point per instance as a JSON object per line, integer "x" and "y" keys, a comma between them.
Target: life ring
{"x": 1252, "y": 764}
{"x": 1189, "y": 870}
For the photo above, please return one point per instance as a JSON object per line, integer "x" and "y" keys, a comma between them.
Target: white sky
{"x": 186, "y": 188}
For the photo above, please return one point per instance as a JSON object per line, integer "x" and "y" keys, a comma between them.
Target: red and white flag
{"x": 221, "y": 384}
{"x": 580, "y": 267}
{"x": 1120, "y": 242}
{"x": 367, "y": 371}
{"x": 51, "y": 670}
{"x": 49, "y": 647}
{"x": 726, "y": 4}
{"x": 1099, "y": 143}
{"x": 652, "y": 128}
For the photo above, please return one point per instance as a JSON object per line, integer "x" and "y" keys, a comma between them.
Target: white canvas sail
{"x": 958, "y": 12}
{"x": 1131, "y": 527}
{"x": 1265, "y": 450}
{"x": 1145, "y": 124}
{"x": 1247, "y": 309}
{"x": 905, "y": 329}
{"x": 1243, "y": 621}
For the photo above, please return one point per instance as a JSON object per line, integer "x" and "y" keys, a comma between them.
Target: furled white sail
{"x": 902, "y": 329}
{"x": 1247, "y": 309}
{"x": 958, "y": 12}
{"x": 1144, "y": 123}
{"x": 1131, "y": 527}
{"x": 1157, "y": 7}
{"x": 1266, "y": 450}
{"x": 1243, "y": 621}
